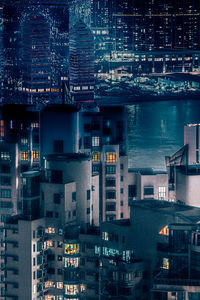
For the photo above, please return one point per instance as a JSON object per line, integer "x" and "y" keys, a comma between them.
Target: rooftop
{"x": 190, "y": 214}
{"x": 68, "y": 157}
{"x": 146, "y": 171}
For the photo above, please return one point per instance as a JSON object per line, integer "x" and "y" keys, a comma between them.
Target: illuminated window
{"x": 48, "y": 284}
{"x": 59, "y": 285}
{"x": 5, "y": 155}
{"x": 71, "y": 248}
{"x": 35, "y": 154}
{"x": 50, "y": 244}
{"x": 164, "y": 231}
{"x": 1, "y": 128}
{"x": 165, "y": 263}
{"x": 24, "y": 155}
{"x": 35, "y": 125}
{"x": 50, "y": 230}
{"x": 95, "y": 156}
{"x": 161, "y": 192}
{"x": 105, "y": 236}
{"x": 77, "y": 88}
{"x": 95, "y": 141}
{"x": 71, "y": 262}
{"x": 71, "y": 289}
{"x": 24, "y": 141}
{"x": 110, "y": 157}
{"x": 50, "y": 297}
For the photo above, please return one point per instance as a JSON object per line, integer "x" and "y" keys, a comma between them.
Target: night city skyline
{"x": 99, "y": 150}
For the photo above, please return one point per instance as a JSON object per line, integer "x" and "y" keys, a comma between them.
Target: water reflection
{"x": 155, "y": 129}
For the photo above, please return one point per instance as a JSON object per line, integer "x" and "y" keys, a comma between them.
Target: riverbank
{"x": 132, "y": 99}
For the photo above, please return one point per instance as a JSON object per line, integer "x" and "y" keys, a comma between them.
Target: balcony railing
{"x": 179, "y": 282}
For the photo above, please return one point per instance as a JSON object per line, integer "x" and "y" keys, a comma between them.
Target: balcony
{"x": 176, "y": 284}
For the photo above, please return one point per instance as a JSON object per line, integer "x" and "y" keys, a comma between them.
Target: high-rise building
{"x": 36, "y": 59}
{"x": 81, "y": 72}
{"x": 18, "y": 20}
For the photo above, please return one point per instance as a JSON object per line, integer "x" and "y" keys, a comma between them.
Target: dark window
{"x": 50, "y": 271}
{"x": 95, "y": 126}
{"x": 87, "y": 127}
{"x": 59, "y": 244}
{"x": 87, "y": 142}
{"x": 148, "y": 191}
{"x": 58, "y": 146}
{"x": 5, "y": 193}
{"x": 121, "y": 190}
{"x": 5, "y": 180}
{"x": 122, "y": 178}
{"x": 35, "y": 139}
{"x": 110, "y": 181}
{"x": 74, "y": 213}
{"x": 132, "y": 192}
{"x": 95, "y": 168}
{"x": 121, "y": 215}
{"x": 59, "y": 271}
{"x": 121, "y": 203}
{"x": 88, "y": 194}
{"x": 56, "y": 198}
{"x": 49, "y": 214}
{"x": 88, "y": 210}
{"x": 50, "y": 257}
{"x": 121, "y": 166}
{"x": 6, "y": 204}
{"x": 110, "y": 194}
{"x": 56, "y": 176}
{"x": 110, "y": 169}
{"x": 111, "y": 206}
{"x": 39, "y": 273}
{"x": 5, "y": 168}
{"x": 110, "y": 217}
{"x": 59, "y": 257}
{"x": 73, "y": 196}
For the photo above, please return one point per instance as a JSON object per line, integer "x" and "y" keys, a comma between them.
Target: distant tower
{"x": 36, "y": 59}
{"x": 81, "y": 72}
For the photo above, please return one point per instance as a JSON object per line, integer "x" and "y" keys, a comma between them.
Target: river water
{"x": 156, "y": 129}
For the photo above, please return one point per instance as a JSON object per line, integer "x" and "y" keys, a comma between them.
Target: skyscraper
{"x": 36, "y": 59}
{"x": 54, "y": 59}
{"x": 81, "y": 70}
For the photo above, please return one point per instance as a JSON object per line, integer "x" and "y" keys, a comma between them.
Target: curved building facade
{"x": 81, "y": 71}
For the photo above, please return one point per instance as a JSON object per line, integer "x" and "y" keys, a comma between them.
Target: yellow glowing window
{"x": 71, "y": 248}
{"x": 24, "y": 155}
{"x": 110, "y": 157}
{"x": 35, "y": 154}
{"x": 51, "y": 230}
{"x": 59, "y": 285}
{"x": 49, "y": 243}
{"x": 1, "y": 128}
{"x": 164, "y": 231}
{"x": 49, "y": 297}
{"x": 71, "y": 289}
{"x": 105, "y": 236}
{"x": 48, "y": 284}
{"x": 95, "y": 156}
{"x": 165, "y": 263}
